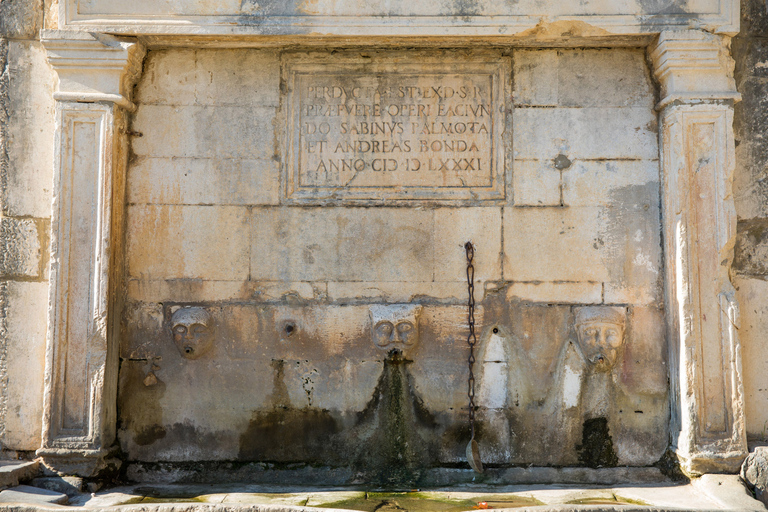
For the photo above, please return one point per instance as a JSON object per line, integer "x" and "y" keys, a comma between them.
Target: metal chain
{"x": 472, "y": 338}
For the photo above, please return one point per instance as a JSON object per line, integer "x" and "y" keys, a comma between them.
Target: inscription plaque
{"x": 389, "y": 128}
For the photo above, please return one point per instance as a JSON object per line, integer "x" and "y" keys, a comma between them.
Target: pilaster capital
{"x": 693, "y": 66}
{"x": 93, "y": 67}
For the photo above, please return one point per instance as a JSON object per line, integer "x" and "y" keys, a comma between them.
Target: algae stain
{"x": 596, "y": 449}
{"x": 613, "y": 500}
{"x": 395, "y": 429}
{"x": 149, "y": 435}
{"x": 287, "y": 434}
{"x": 425, "y": 502}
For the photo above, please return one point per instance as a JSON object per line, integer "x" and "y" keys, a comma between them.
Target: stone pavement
{"x": 709, "y": 493}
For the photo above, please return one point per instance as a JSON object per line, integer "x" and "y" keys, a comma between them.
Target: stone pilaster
{"x": 694, "y": 70}
{"x": 96, "y": 74}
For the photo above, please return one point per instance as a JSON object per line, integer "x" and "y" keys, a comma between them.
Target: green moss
{"x": 423, "y": 502}
{"x": 630, "y": 501}
{"x": 596, "y": 449}
{"x": 613, "y": 500}
{"x": 154, "y": 495}
{"x": 150, "y": 499}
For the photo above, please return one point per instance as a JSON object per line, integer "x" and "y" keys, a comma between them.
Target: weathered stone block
{"x": 750, "y": 114}
{"x": 644, "y": 364}
{"x": 203, "y": 181}
{"x": 210, "y": 77}
{"x": 751, "y": 56}
{"x": 750, "y": 123}
{"x": 751, "y": 251}
{"x": 600, "y": 183}
{"x": 604, "y": 78}
{"x": 633, "y": 235}
{"x": 616, "y": 246}
{"x": 535, "y": 73}
{"x": 580, "y": 133}
{"x": 142, "y": 321}
{"x": 29, "y": 131}
{"x": 32, "y": 495}
{"x": 456, "y": 226}
{"x": 169, "y": 77}
{"x": 201, "y": 290}
{"x": 14, "y": 471}
{"x": 564, "y": 292}
{"x": 754, "y": 473}
{"x": 582, "y": 78}
{"x": 238, "y": 77}
{"x": 754, "y": 325}
{"x": 69, "y": 485}
{"x": 20, "y": 254}
{"x": 344, "y": 244}
{"x": 206, "y": 242}
{"x": 536, "y": 183}
{"x": 399, "y": 291}
{"x": 754, "y": 18}
{"x": 208, "y": 132}
{"x": 25, "y": 308}
{"x": 21, "y": 20}
{"x": 574, "y": 250}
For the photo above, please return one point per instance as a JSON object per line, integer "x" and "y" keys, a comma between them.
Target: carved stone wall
{"x": 26, "y": 160}
{"x": 306, "y": 209}
{"x": 213, "y": 221}
{"x": 751, "y": 198}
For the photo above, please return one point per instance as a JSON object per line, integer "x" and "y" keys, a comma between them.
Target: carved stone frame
{"x": 96, "y": 74}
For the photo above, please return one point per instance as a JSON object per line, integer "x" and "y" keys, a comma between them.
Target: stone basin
{"x": 711, "y": 492}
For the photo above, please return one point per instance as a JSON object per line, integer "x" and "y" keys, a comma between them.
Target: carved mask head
{"x": 395, "y": 327}
{"x": 192, "y": 330}
{"x": 601, "y": 335}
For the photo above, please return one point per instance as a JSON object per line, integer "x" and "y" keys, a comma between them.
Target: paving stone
{"x": 35, "y": 495}
{"x": 14, "y": 471}
{"x": 69, "y": 485}
{"x": 754, "y": 472}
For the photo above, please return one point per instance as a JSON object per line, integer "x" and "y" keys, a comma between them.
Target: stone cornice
{"x": 693, "y": 66}
{"x": 93, "y": 67}
{"x": 397, "y": 18}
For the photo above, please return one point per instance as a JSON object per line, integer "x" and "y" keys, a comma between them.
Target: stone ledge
{"x": 714, "y": 492}
{"x": 14, "y": 471}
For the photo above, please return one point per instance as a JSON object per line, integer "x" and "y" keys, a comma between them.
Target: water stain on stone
{"x": 187, "y": 434}
{"x": 140, "y": 415}
{"x": 279, "y": 396}
{"x": 396, "y": 430}
{"x": 148, "y": 435}
{"x": 596, "y": 449}
{"x": 287, "y": 434}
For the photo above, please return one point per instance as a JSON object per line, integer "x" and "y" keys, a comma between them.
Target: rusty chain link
{"x": 472, "y": 338}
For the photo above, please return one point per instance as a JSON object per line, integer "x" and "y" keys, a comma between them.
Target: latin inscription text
{"x": 395, "y": 130}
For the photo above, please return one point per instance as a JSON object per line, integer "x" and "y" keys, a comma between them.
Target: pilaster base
{"x": 82, "y": 463}
{"x": 704, "y": 462}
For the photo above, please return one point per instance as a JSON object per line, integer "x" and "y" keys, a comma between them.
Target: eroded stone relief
{"x": 395, "y": 327}
{"x": 601, "y": 335}
{"x": 193, "y": 331}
